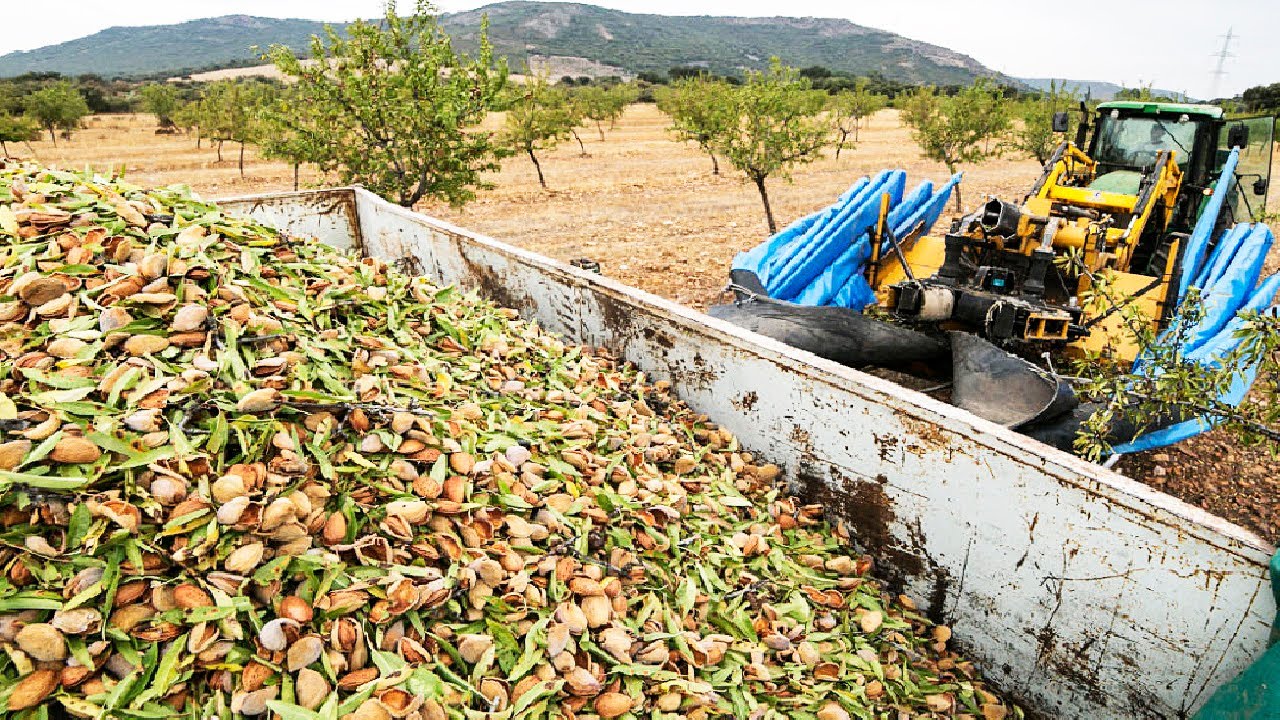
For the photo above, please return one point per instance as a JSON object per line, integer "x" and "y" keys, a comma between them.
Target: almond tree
{"x": 1034, "y": 135}
{"x": 16, "y": 128}
{"x": 57, "y": 106}
{"x": 774, "y": 123}
{"x": 161, "y": 100}
{"x": 960, "y": 128}
{"x": 850, "y": 108}
{"x": 231, "y": 111}
{"x": 698, "y": 110}
{"x": 392, "y": 106}
{"x": 279, "y": 135}
{"x": 601, "y": 103}
{"x": 540, "y": 116}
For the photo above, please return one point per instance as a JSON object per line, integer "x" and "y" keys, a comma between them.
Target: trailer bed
{"x": 1080, "y": 592}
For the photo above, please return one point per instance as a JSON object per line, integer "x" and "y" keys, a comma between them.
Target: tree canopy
{"x": 540, "y": 116}
{"x": 161, "y": 100}
{"x": 774, "y": 123}
{"x": 394, "y": 107}
{"x": 57, "y": 106}
{"x": 963, "y": 128}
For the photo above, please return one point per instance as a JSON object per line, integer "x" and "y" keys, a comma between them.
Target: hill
{"x": 569, "y": 34}
{"x": 1096, "y": 89}
{"x": 197, "y": 44}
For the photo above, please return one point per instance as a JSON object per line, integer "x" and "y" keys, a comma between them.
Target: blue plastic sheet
{"x": 782, "y": 261}
{"x": 1232, "y": 288}
{"x": 821, "y": 258}
{"x": 830, "y": 242}
{"x": 1194, "y": 252}
{"x": 755, "y": 258}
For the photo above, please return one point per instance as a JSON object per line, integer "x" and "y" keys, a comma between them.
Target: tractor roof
{"x": 1211, "y": 111}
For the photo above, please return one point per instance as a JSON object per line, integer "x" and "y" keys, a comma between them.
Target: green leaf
{"x": 44, "y": 482}
{"x": 289, "y": 711}
{"x": 166, "y": 673}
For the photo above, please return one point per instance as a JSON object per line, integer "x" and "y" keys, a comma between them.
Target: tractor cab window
{"x": 1133, "y": 143}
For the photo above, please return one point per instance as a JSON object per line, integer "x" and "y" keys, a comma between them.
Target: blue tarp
{"x": 1225, "y": 277}
{"x": 821, "y": 259}
{"x": 1208, "y": 355}
{"x": 1193, "y": 255}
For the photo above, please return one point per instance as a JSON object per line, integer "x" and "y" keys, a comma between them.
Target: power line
{"x": 1219, "y": 70}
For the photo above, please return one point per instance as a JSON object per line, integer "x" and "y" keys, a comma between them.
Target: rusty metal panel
{"x": 329, "y": 215}
{"x": 1081, "y": 592}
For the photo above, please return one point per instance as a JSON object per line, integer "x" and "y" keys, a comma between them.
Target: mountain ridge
{"x": 523, "y": 29}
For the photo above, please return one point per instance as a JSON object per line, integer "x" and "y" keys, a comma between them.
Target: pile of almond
{"x": 245, "y": 475}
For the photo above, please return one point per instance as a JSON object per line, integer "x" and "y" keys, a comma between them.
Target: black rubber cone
{"x": 1004, "y": 388}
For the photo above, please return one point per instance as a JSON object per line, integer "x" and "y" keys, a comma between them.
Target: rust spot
{"x": 801, "y": 437}
{"x": 749, "y": 400}
{"x": 617, "y": 314}
{"x": 659, "y": 338}
{"x": 886, "y": 445}
{"x": 491, "y": 285}
{"x": 926, "y": 436}
{"x": 867, "y": 511}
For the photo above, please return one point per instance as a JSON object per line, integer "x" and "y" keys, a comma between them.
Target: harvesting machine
{"x": 1153, "y": 198}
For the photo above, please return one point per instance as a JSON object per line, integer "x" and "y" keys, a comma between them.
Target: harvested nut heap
{"x": 244, "y": 474}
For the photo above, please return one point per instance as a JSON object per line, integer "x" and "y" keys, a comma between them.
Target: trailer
{"x": 1081, "y": 593}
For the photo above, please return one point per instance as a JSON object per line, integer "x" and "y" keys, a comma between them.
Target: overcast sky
{"x": 1170, "y": 44}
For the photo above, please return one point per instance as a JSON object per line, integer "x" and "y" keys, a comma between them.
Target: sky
{"x": 1169, "y": 44}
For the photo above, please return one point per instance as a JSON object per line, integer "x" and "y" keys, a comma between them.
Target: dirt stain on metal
{"x": 868, "y": 512}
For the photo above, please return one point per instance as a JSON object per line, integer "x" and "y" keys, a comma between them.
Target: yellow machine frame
{"x": 1100, "y": 229}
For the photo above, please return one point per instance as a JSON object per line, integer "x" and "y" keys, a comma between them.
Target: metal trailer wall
{"x": 1081, "y": 592}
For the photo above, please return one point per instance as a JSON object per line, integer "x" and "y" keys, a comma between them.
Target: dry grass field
{"x": 651, "y": 213}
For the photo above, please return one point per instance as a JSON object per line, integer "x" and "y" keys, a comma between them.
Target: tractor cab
{"x": 1129, "y": 137}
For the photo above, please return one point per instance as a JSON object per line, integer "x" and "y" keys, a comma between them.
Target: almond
{"x": 296, "y": 609}
{"x": 75, "y": 450}
{"x": 33, "y": 689}
{"x": 258, "y": 401}
{"x": 12, "y": 452}
{"x": 42, "y": 290}
{"x": 188, "y": 596}
{"x": 189, "y": 317}
{"x": 612, "y": 705}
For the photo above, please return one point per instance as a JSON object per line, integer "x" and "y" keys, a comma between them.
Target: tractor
{"x": 1019, "y": 274}
{"x": 1011, "y": 284}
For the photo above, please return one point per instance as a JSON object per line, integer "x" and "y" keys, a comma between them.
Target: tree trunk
{"x": 951, "y": 168}
{"x": 715, "y": 164}
{"x": 242, "y": 159}
{"x": 199, "y": 137}
{"x": 582, "y": 150}
{"x": 53, "y": 138}
{"x": 29, "y": 148}
{"x": 844, "y": 135}
{"x": 601, "y": 129}
{"x": 219, "y": 151}
{"x": 4, "y": 149}
{"x": 538, "y": 166}
{"x": 295, "y": 176}
{"x": 768, "y": 211}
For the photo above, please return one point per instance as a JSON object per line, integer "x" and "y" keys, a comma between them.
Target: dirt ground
{"x": 652, "y": 214}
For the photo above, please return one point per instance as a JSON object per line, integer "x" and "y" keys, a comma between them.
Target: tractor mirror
{"x": 1238, "y": 136}
{"x": 1061, "y": 122}
{"x": 1260, "y": 186}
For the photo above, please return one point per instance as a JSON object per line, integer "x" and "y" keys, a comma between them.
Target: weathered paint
{"x": 1082, "y": 592}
